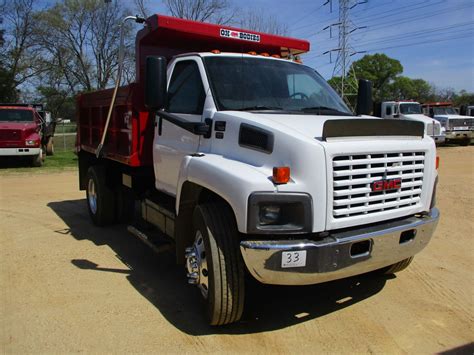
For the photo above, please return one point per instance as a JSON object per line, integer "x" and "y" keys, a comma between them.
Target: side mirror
{"x": 364, "y": 98}
{"x": 155, "y": 83}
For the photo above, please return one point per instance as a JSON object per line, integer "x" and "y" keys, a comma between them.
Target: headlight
{"x": 279, "y": 213}
{"x": 30, "y": 142}
{"x": 269, "y": 214}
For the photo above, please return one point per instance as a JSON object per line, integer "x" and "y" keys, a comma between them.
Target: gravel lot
{"x": 67, "y": 286}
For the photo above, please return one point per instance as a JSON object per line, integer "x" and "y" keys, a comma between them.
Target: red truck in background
{"x": 26, "y": 131}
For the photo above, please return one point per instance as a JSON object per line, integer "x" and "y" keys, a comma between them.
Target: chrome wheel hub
{"x": 92, "y": 196}
{"x": 196, "y": 265}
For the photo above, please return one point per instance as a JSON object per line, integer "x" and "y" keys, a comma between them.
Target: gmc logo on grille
{"x": 385, "y": 185}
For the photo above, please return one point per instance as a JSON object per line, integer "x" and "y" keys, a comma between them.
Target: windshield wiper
{"x": 260, "y": 108}
{"x": 325, "y": 111}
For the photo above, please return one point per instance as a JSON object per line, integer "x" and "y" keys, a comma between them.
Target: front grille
{"x": 10, "y": 134}
{"x": 461, "y": 122}
{"x": 353, "y": 175}
{"x": 433, "y": 129}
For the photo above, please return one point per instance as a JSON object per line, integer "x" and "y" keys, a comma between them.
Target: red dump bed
{"x": 130, "y": 134}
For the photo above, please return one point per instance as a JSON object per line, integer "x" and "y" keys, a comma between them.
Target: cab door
{"x": 186, "y": 96}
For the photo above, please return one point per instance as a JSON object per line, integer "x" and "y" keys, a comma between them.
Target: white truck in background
{"x": 411, "y": 110}
{"x": 457, "y": 128}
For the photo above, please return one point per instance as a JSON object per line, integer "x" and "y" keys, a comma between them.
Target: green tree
{"x": 381, "y": 70}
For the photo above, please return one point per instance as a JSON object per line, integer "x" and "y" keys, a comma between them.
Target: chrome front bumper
{"x": 439, "y": 139}
{"x": 459, "y": 135}
{"x": 341, "y": 254}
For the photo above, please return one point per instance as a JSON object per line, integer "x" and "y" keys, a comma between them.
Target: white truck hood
{"x": 310, "y": 126}
{"x": 419, "y": 117}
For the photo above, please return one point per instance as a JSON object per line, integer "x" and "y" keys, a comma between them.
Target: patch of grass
{"x": 60, "y": 161}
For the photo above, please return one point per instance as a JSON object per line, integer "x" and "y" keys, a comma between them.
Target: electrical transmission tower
{"x": 342, "y": 66}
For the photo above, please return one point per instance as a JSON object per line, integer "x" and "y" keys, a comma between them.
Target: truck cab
{"x": 21, "y": 133}
{"x": 457, "y": 128}
{"x": 411, "y": 110}
{"x": 251, "y": 165}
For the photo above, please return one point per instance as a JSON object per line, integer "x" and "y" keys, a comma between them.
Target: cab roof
{"x": 170, "y": 36}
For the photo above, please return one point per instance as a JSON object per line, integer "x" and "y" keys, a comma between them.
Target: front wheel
{"x": 37, "y": 160}
{"x": 214, "y": 262}
{"x": 397, "y": 267}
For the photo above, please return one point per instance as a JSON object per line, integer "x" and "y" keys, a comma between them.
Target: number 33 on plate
{"x": 293, "y": 258}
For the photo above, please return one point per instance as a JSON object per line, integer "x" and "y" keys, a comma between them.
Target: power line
{"x": 470, "y": 35}
{"x": 419, "y": 33}
{"x": 451, "y": 29}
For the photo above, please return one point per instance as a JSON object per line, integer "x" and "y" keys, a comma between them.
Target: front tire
{"x": 100, "y": 198}
{"x": 215, "y": 223}
{"x": 397, "y": 267}
{"x": 37, "y": 160}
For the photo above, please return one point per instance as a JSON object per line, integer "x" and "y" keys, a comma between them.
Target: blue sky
{"x": 433, "y": 39}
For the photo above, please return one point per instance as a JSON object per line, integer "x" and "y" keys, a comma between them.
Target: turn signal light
{"x": 437, "y": 162}
{"x": 281, "y": 174}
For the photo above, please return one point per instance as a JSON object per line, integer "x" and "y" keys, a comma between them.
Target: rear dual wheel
{"x": 100, "y": 198}
{"x": 214, "y": 262}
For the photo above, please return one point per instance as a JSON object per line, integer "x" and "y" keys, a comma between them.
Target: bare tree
{"x": 18, "y": 51}
{"x": 142, "y": 8}
{"x": 216, "y": 11}
{"x": 80, "y": 42}
{"x": 259, "y": 20}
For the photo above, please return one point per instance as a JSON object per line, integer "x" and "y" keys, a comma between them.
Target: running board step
{"x": 157, "y": 247}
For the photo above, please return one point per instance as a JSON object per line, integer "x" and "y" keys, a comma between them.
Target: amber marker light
{"x": 216, "y": 51}
{"x": 437, "y": 162}
{"x": 281, "y": 174}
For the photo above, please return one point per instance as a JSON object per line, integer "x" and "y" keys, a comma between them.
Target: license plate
{"x": 461, "y": 128}
{"x": 293, "y": 258}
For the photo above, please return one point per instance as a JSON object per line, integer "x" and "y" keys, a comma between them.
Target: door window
{"x": 186, "y": 92}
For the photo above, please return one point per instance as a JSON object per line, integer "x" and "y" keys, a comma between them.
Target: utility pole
{"x": 344, "y": 50}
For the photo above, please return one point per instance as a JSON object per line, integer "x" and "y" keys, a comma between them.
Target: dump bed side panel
{"x": 129, "y": 137}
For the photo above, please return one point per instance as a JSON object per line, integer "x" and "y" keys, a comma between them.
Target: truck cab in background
{"x": 467, "y": 110}
{"x": 456, "y": 127}
{"x": 411, "y": 110}
{"x": 21, "y": 133}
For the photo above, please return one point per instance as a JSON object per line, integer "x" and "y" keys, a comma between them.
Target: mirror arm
{"x": 198, "y": 128}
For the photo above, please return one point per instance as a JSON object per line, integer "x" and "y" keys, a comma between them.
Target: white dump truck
{"x": 411, "y": 110}
{"x": 251, "y": 166}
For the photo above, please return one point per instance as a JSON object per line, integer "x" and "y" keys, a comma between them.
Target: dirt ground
{"x": 67, "y": 286}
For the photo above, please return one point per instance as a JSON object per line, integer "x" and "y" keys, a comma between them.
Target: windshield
{"x": 410, "y": 109}
{"x": 12, "y": 115}
{"x": 444, "y": 111}
{"x": 241, "y": 83}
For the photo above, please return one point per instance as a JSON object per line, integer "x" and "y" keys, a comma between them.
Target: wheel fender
{"x": 232, "y": 180}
